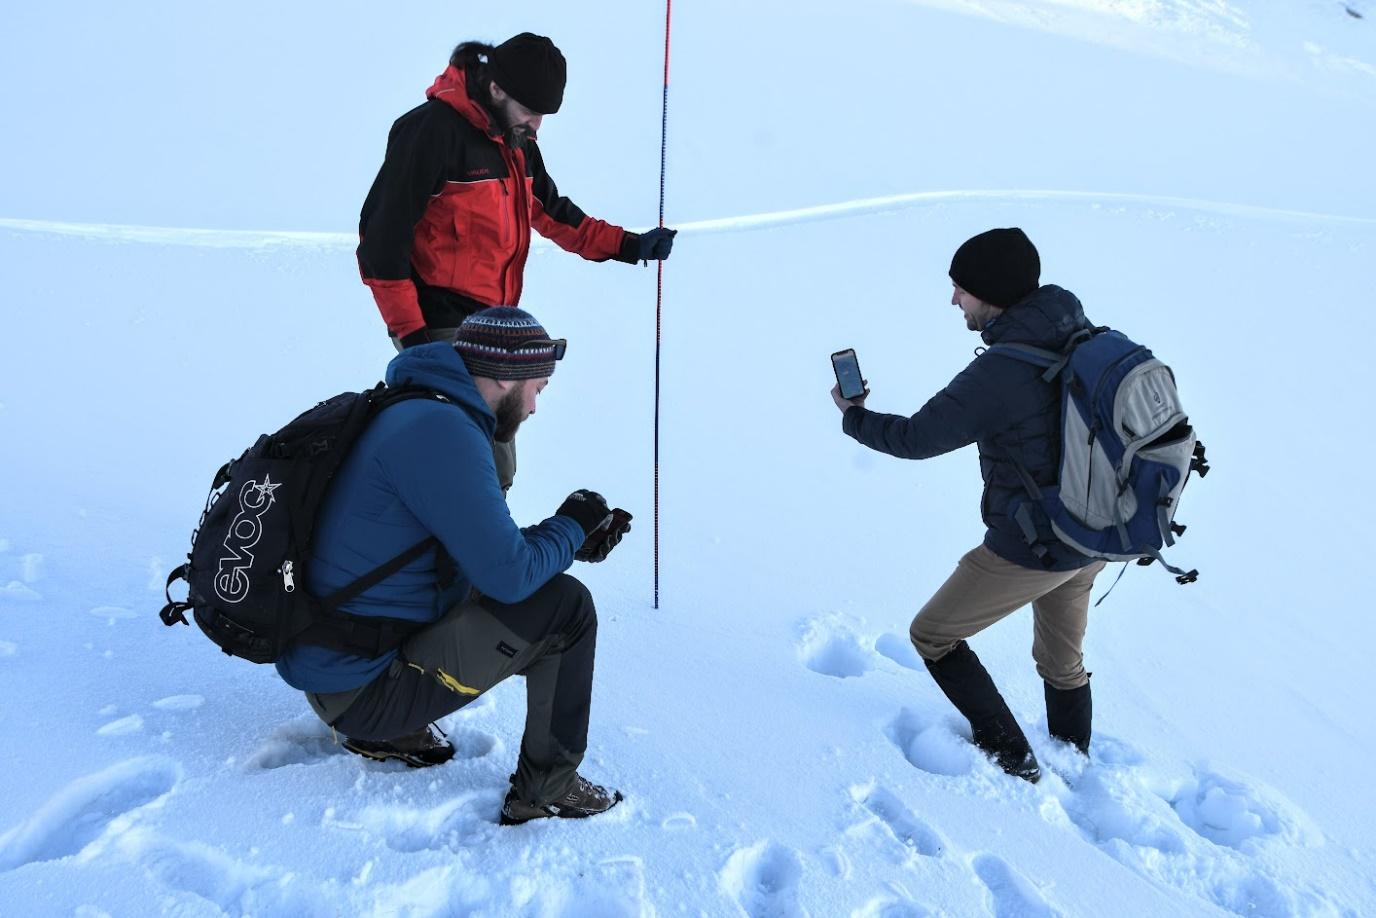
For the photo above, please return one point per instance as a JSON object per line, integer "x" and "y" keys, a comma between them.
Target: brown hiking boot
{"x": 426, "y": 747}
{"x": 583, "y": 799}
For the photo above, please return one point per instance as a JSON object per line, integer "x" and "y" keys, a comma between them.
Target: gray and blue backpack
{"x": 1127, "y": 449}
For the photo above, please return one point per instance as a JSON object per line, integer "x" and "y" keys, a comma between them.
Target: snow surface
{"x": 1190, "y": 168}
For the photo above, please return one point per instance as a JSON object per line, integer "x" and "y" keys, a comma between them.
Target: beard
{"x": 519, "y": 136}
{"x": 516, "y": 136}
{"x": 509, "y": 416}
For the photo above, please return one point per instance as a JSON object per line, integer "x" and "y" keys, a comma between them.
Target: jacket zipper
{"x": 518, "y": 180}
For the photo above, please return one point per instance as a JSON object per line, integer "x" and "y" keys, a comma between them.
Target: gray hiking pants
{"x": 503, "y": 454}
{"x": 549, "y": 637}
{"x": 985, "y": 588}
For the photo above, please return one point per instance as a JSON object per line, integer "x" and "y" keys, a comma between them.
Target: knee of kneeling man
{"x": 575, "y": 590}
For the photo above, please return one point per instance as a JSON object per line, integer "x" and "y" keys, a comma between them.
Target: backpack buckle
{"x": 1199, "y": 464}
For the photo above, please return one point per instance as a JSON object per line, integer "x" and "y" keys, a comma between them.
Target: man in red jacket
{"x": 445, "y": 229}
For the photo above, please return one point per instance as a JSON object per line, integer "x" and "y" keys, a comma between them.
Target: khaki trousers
{"x": 985, "y": 588}
{"x": 503, "y": 454}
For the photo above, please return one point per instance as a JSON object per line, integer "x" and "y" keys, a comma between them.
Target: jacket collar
{"x": 438, "y": 366}
{"x": 1045, "y": 318}
{"x": 451, "y": 88}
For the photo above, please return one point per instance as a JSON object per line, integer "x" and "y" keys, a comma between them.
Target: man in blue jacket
{"x": 495, "y": 595}
{"x": 1003, "y": 406}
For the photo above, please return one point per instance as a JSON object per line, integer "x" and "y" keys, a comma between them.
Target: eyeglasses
{"x": 560, "y": 345}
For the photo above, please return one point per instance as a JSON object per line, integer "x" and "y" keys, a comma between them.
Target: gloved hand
{"x": 587, "y": 508}
{"x": 419, "y": 336}
{"x": 602, "y": 541}
{"x": 655, "y": 244}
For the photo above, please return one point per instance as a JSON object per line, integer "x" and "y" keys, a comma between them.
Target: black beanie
{"x": 1000, "y": 266}
{"x": 531, "y": 70}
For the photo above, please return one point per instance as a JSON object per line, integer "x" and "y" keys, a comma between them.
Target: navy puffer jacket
{"x": 1002, "y": 405}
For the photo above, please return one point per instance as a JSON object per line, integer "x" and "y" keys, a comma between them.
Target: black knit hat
{"x": 504, "y": 342}
{"x": 1000, "y": 266}
{"x": 531, "y": 70}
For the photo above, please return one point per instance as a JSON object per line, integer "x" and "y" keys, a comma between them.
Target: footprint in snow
{"x": 82, "y": 811}
{"x": 833, "y": 650}
{"x": 931, "y": 747}
{"x": 1228, "y": 812}
{"x": 1200, "y": 835}
{"x": 465, "y": 821}
{"x": 472, "y": 744}
{"x": 302, "y": 741}
{"x": 193, "y": 867}
{"x": 1013, "y": 896}
{"x": 900, "y": 650}
{"x": 763, "y": 880}
{"x": 902, "y": 827}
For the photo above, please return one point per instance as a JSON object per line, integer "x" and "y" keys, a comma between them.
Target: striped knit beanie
{"x": 493, "y": 343}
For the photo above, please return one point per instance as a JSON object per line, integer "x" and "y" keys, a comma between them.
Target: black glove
{"x": 586, "y": 508}
{"x": 655, "y": 245}
{"x": 419, "y": 336}
{"x": 602, "y": 541}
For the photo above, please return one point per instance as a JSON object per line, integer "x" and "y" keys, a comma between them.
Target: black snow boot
{"x": 1068, "y": 714}
{"x": 965, "y": 681}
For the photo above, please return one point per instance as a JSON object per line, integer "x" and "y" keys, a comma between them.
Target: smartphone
{"x": 848, "y": 373}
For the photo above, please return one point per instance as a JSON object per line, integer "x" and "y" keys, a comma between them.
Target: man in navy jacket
{"x": 495, "y": 595}
{"x": 1002, "y": 405}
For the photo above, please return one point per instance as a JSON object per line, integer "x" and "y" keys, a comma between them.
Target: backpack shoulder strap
{"x": 1051, "y": 361}
{"x": 378, "y": 574}
{"x": 385, "y": 396}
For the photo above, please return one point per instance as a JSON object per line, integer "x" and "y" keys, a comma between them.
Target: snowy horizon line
{"x": 258, "y": 239}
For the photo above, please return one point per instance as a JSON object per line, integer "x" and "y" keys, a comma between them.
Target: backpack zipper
{"x": 288, "y": 578}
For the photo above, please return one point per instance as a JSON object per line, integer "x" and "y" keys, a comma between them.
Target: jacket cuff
{"x": 630, "y": 248}
{"x": 850, "y": 421}
{"x": 419, "y": 336}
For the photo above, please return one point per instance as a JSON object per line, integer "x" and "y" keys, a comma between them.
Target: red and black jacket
{"x": 445, "y": 229}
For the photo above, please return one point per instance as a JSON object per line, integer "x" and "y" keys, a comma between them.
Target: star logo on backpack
{"x": 266, "y": 489}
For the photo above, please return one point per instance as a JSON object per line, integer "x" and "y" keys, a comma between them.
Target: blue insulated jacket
{"x": 1002, "y": 405}
{"x": 422, "y": 468}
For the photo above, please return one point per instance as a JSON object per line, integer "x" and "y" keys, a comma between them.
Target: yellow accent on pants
{"x": 449, "y": 682}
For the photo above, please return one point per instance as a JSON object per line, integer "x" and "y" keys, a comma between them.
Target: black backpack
{"x": 246, "y": 572}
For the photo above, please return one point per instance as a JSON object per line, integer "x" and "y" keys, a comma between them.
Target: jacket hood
{"x": 438, "y": 366}
{"x": 1045, "y": 319}
{"x": 451, "y": 88}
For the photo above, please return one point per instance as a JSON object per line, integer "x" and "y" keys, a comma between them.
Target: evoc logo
{"x": 231, "y": 580}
